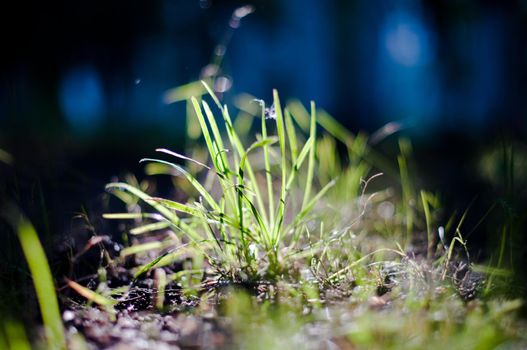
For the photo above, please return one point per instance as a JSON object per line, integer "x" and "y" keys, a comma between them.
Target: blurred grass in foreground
{"x": 44, "y": 287}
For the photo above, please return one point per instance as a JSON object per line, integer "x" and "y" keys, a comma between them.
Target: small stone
{"x": 68, "y": 316}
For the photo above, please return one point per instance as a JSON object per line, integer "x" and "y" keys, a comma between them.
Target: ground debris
{"x": 145, "y": 330}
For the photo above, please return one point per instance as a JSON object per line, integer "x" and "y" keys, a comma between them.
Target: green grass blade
{"x": 215, "y": 148}
{"x": 132, "y": 216}
{"x": 91, "y": 295}
{"x": 16, "y": 337}
{"x": 181, "y": 156}
{"x": 261, "y": 143}
{"x": 299, "y": 161}
{"x": 282, "y": 143}
{"x": 204, "y": 130}
{"x": 231, "y": 133}
{"x": 145, "y": 197}
{"x": 428, "y": 219}
{"x": 407, "y": 188}
{"x": 155, "y": 226}
{"x": 225, "y": 169}
{"x": 184, "y": 92}
{"x": 300, "y": 114}
{"x": 197, "y": 185}
{"x": 212, "y": 94}
{"x": 183, "y": 208}
{"x": 43, "y": 281}
{"x": 311, "y": 161}
{"x": 258, "y": 217}
{"x": 267, "y": 165}
{"x": 291, "y": 135}
{"x": 213, "y": 124}
{"x": 238, "y": 146}
{"x": 176, "y": 254}
{"x": 334, "y": 128}
{"x": 147, "y": 267}
{"x": 193, "y": 131}
{"x": 161, "y": 209}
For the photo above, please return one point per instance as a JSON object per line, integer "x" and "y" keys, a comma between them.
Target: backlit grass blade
{"x": 224, "y": 171}
{"x": 193, "y": 129}
{"x": 300, "y": 114}
{"x": 291, "y": 135}
{"x": 15, "y": 336}
{"x": 173, "y": 255}
{"x": 132, "y": 216}
{"x": 145, "y": 268}
{"x": 267, "y": 165}
{"x": 231, "y": 133}
{"x": 197, "y": 185}
{"x": 225, "y": 168}
{"x": 91, "y": 295}
{"x": 204, "y": 130}
{"x": 183, "y": 208}
{"x": 145, "y": 197}
{"x": 216, "y": 150}
{"x": 299, "y": 161}
{"x": 237, "y": 144}
{"x": 184, "y": 92}
{"x": 334, "y": 128}
{"x": 311, "y": 162}
{"x": 42, "y": 280}
{"x": 407, "y": 188}
{"x": 261, "y": 143}
{"x": 213, "y": 124}
{"x": 257, "y": 216}
{"x": 212, "y": 94}
{"x": 282, "y": 141}
{"x": 428, "y": 219}
{"x": 155, "y": 226}
{"x": 181, "y": 156}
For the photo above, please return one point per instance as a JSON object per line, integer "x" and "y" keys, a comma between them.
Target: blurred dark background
{"x": 83, "y": 88}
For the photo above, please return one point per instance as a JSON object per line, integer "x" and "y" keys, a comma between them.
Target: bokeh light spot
{"x": 81, "y": 99}
{"x": 406, "y": 39}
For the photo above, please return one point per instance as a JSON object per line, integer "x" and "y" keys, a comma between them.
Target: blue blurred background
{"x": 83, "y": 88}
{"x": 79, "y": 68}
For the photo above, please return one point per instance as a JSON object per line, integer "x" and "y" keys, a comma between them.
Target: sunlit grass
{"x": 287, "y": 213}
{"x": 244, "y": 230}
